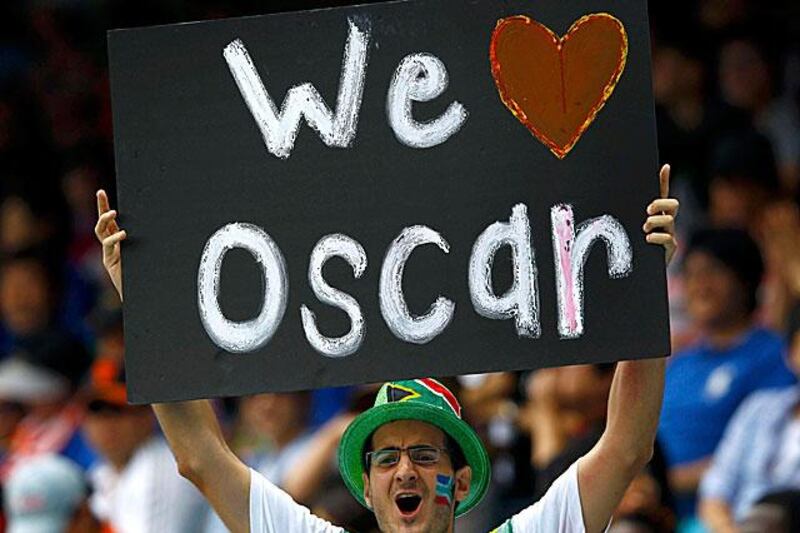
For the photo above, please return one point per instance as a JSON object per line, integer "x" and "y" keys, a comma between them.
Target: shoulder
{"x": 274, "y": 511}
{"x": 762, "y": 402}
{"x": 559, "y": 510}
{"x": 685, "y": 360}
{"x": 765, "y": 339}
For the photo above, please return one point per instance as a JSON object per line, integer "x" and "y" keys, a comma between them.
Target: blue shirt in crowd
{"x": 704, "y": 386}
{"x": 753, "y": 458}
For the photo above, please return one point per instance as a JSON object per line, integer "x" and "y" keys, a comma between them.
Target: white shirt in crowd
{"x": 148, "y": 495}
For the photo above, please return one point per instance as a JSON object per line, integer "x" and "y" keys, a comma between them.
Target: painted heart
{"x": 555, "y": 86}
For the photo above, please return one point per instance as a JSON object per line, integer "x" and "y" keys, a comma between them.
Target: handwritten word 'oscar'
{"x": 520, "y": 302}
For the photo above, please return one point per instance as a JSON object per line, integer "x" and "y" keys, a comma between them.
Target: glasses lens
{"x": 385, "y": 457}
{"x": 424, "y": 455}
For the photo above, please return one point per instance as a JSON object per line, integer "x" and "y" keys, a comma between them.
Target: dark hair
{"x": 738, "y": 252}
{"x": 745, "y": 155}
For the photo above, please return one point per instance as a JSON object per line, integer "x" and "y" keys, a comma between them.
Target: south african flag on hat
{"x": 425, "y": 400}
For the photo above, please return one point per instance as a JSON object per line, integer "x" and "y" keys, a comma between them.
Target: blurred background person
{"x": 759, "y": 452}
{"x": 40, "y": 383}
{"x": 48, "y": 494}
{"x": 750, "y": 82}
{"x": 733, "y": 357}
{"x": 135, "y": 485}
{"x": 566, "y": 415}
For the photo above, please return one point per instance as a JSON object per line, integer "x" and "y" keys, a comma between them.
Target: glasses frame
{"x": 409, "y": 450}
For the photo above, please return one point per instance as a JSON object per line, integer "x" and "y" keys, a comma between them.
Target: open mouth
{"x": 408, "y": 503}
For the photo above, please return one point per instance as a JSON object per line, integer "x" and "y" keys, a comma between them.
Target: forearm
{"x": 634, "y": 405}
{"x": 627, "y": 443}
{"x": 717, "y": 516}
{"x": 192, "y": 431}
{"x": 203, "y": 457}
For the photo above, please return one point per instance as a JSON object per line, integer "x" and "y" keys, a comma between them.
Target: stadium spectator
{"x": 759, "y": 452}
{"x": 136, "y": 486}
{"x": 42, "y": 378}
{"x": 48, "y": 494}
{"x": 749, "y": 76}
{"x": 706, "y": 382}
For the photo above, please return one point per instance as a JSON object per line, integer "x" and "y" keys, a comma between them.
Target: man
{"x": 565, "y": 415}
{"x": 47, "y": 493}
{"x": 410, "y": 458}
{"x": 706, "y": 382}
{"x": 759, "y": 452}
{"x": 135, "y": 486}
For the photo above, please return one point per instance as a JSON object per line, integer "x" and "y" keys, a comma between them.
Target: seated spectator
{"x": 48, "y": 494}
{"x": 749, "y": 76}
{"x": 31, "y": 303}
{"x": 743, "y": 180}
{"x": 706, "y": 382}
{"x": 34, "y": 228}
{"x": 136, "y": 485}
{"x": 280, "y": 423}
{"x": 27, "y": 295}
{"x": 760, "y": 451}
{"x": 566, "y": 415}
{"x": 778, "y": 512}
{"x": 279, "y": 436}
{"x": 42, "y": 377}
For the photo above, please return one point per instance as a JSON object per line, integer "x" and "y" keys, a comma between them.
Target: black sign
{"x": 350, "y": 195}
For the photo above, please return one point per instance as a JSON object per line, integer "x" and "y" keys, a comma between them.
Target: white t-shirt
{"x": 559, "y": 511}
{"x": 148, "y": 495}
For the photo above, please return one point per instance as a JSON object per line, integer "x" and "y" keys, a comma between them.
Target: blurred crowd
{"x": 75, "y": 456}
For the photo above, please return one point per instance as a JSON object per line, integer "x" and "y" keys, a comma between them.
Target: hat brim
{"x": 351, "y": 447}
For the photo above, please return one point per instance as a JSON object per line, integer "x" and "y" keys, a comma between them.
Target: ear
{"x": 367, "y": 498}
{"x": 462, "y": 483}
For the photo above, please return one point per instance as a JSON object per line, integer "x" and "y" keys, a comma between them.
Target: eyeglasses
{"x": 419, "y": 455}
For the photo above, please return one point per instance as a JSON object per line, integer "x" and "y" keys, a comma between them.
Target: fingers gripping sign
{"x": 110, "y": 236}
{"x": 659, "y": 226}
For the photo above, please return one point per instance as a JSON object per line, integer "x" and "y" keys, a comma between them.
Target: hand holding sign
{"x": 661, "y": 216}
{"x": 110, "y": 237}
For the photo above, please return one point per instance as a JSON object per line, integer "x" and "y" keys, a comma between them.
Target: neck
{"x": 724, "y": 335}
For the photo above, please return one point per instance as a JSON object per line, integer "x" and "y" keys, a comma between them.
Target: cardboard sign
{"x": 351, "y": 195}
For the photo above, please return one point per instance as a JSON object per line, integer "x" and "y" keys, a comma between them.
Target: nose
{"x": 406, "y": 469}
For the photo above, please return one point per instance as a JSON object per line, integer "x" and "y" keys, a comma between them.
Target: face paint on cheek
{"x": 444, "y": 490}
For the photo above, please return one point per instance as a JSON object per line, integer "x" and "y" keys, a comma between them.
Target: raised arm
{"x": 191, "y": 428}
{"x": 634, "y": 403}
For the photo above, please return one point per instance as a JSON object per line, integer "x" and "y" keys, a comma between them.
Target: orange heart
{"x": 556, "y": 86}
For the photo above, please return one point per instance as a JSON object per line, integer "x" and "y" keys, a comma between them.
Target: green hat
{"x": 425, "y": 400}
